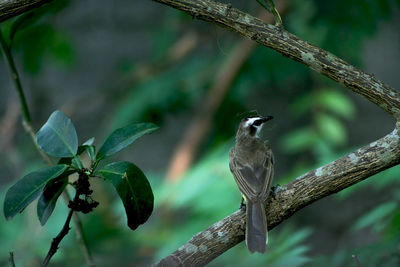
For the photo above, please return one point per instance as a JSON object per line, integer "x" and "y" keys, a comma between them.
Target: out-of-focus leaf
{"x": 331, "y": 129}
{"x": 375, "y": 216}
{"x": 302, "y": 104}
{"x": 28, "y": 188}
{"x": 58, "y": 137}
{"x": 299, "y": 140}
{"x": 47, "y": 201}
{"x": 123, "y": 137}
{"x": 336, "y": 102}
{"x": 134, "y": 190}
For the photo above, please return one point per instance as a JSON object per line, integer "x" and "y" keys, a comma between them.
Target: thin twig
{"x": 56, "y": 241}
{"x": 80, "y": 237}
{"x": 355, "y": 258}
{"x": 26, "y": 122}
{"x": 11, "y": 259}
{"x": 15, "y": 78}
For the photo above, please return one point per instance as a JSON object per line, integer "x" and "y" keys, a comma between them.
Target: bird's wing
{"x": 253, "y": 181}
{"x": 269, "y": 173}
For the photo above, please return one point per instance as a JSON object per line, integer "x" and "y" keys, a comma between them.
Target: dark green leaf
{"x": 25, "y": 20}
{"x": 47, "y": 201}
{"x": 91, "y": 151}
{"x": 58, "y": 137}
{"x": 28, "y": 188}
{"x": 134, "y": 190}
{"x": 123, "y": 137}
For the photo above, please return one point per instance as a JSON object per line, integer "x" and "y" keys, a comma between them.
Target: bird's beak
{"x": 266, "y": 118}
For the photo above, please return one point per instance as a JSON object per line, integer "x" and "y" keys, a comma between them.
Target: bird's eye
{"x": 257, "y": 123}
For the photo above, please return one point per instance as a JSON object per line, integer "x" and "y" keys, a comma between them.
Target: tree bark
{"x": 12, "y": 8}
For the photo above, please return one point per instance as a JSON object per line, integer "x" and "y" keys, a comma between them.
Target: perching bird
{"x": 252, "y": 163}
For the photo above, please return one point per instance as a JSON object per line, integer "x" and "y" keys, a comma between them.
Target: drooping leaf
{"x": 58, "y": 136}
{"x": 123, "y": 137}
{"x": 134, "y": 190}
{"x": 28, "y": 188}
{"x": 48, "y": 199}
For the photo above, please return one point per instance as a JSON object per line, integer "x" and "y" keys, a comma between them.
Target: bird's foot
{"x": 242, "y": 205}
{"x": 273, "y": 190}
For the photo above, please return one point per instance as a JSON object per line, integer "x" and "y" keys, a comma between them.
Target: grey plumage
{"x": 251, "y": 162}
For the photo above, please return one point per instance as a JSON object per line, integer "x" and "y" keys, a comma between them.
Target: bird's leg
{"x": 273, "y": 190}
{"x": 242, "y": 205}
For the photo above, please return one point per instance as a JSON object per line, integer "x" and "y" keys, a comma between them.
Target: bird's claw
{"x": 273, "y": 190}
{"x": 242, "y": 205}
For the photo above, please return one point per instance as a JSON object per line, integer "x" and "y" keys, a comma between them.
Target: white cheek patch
{"x": 250, "y": 121}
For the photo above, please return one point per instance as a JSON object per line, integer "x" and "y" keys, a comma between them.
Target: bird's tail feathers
{"x": 256, "y": 227}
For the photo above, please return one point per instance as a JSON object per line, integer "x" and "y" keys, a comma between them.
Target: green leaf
{"x": 331, "y": 129}
{"x": 336, "y": 102}
{"x": 299, "y": 140}
{"x": 26, "y": 20}
{"x": 58, "y": 137}
{"x": 89, "y": 142}
{"x": 134, "y": 190}
{"x": 28, "y": 188}
{"x": 375, "y": 216}
{"x": 47, "y": 201}
{"x": 123, "y": 137}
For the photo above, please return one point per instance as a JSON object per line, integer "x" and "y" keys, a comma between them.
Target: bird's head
{"x": 251, "y": 126}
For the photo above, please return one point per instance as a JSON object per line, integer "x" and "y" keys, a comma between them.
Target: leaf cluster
{"x": 58, "y": 138}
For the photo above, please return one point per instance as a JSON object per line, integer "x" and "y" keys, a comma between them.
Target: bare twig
{"x": 56, "y": 241}
{"x": 11, "y": 259}
{"x": 356, "y": 260}
{"x": 80, "y": 237}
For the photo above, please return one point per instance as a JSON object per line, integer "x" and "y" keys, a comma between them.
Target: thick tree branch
{"x": 306, "y": 189}
{"x": 12, "y": 8}
{"x": 293, "y": 47}
{"x": 316, "y": 184}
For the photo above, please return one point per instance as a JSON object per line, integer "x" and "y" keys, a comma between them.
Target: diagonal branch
{"x": 316, "y": 184}
{"x": 290, "y": 198}
{"x": 12, "y": 8}
{"x": 293, "y": 47}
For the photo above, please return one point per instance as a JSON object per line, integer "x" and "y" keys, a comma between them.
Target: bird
{"x": 251, "y": 162}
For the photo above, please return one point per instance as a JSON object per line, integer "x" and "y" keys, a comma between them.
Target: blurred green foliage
{"x": 314, "y": 115}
